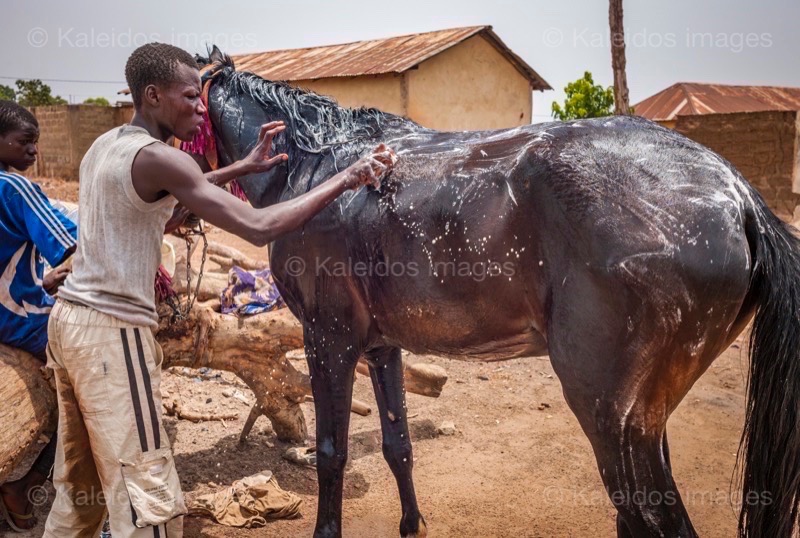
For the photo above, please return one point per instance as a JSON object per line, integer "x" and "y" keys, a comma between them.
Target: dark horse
{"x": 629, "y": 254}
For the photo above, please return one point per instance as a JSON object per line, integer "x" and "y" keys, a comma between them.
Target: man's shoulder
{"x": 162, "y": 158}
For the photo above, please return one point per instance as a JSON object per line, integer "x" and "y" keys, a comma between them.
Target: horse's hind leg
{"x": 386, "y": 371}
{"x": 627, "y": 430}
{"x": 622, "y": 383}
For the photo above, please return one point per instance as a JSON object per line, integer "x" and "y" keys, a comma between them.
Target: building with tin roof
{"x": 457, "y": 79}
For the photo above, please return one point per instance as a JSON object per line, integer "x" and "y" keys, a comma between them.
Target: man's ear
{"x": 151, "y": 95}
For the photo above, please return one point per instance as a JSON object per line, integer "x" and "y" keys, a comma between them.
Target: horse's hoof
{"x": 422, "y": 530}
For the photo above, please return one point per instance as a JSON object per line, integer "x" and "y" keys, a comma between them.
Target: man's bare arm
{"x": 177, "y": 173}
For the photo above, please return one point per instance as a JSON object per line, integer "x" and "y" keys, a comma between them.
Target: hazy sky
{"x": 724, "y": 41}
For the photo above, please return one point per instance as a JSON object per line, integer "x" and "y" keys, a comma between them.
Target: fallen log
{"x": 29, "y": 408}
{"x": 255, "y": 349}
{"x": 252, "y": 348}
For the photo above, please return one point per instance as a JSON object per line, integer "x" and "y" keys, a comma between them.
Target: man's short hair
{"x": 14, "y": 116}
{"x": 154, "y": 63}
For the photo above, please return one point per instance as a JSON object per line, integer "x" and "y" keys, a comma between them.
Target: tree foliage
{"x": 585, "y": 99}
{"x": 7, "y": 93}
{"x": 99, "y": 101}
{"x": 35, "y": 93}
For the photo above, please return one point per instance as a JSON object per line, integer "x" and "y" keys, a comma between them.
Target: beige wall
{"x": 469, "y": 86}
{"x": 381, "y": 91}
{"x": 763, "y": 146}
{"x": 67, "y": 132}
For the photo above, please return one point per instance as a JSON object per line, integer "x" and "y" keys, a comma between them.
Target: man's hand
{"x": 179, "y": 215}
{"x": 370, "y": 169}
{"x": 54, "y": 279}
{"x": 258, "y": 160}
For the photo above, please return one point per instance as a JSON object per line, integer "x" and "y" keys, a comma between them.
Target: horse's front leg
{"x": 331, "y": 366}
{"x": 386, "y": 371}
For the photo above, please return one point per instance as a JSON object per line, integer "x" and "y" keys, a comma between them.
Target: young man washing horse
{"x": 101, "y": 348}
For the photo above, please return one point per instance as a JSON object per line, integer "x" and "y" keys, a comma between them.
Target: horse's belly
{"x": 463, "y": 333}
{"x": 531, "y": 344}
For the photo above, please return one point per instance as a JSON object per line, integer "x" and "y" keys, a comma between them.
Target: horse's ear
{"x": 218, "y": 57}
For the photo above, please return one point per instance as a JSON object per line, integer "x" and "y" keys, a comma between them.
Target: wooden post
{"x": 618, "y": 62}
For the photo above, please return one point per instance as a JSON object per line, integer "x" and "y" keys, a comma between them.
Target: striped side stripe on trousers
{"x": 137, "y": 404}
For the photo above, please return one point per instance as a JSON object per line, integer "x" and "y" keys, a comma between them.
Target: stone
{"x": 447, "y": 428}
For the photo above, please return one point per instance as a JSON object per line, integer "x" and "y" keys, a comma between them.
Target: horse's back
{"x": 660, "y": 220}
{"x": 646, "y": 211}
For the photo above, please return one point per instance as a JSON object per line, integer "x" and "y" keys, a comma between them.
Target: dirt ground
{"x": 519, "y": 464}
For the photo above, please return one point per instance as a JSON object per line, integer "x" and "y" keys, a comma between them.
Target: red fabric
{"x": 163, "y": 285}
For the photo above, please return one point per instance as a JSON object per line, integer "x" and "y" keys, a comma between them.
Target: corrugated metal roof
{"x": 375, "y": 57}
{"x": 686, "y": 98}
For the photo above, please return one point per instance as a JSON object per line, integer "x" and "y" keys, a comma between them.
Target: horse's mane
{"x": 315, "y": 122}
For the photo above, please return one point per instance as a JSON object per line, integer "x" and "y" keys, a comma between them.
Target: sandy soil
{"x": 518, "y": 466}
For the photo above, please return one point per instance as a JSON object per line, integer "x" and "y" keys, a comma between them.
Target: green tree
{"x": 585, "y": 99}
{"x": 7, "y": 94}
{"x": 99, "y": 101}
{"x": 36, "y": 93}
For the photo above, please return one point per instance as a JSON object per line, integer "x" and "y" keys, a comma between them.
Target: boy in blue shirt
{"x": 31, "y": 231}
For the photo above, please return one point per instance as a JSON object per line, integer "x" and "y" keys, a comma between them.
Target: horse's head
{"x": 236, "y": 119}
{"x": 240, "y": 102}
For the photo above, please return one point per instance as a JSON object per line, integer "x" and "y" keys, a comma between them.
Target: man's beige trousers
{"x": 113, "y": 452}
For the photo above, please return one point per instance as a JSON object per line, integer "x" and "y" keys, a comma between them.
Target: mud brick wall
{"x": 67, "y": 132}
{"x": 763, "y": 146}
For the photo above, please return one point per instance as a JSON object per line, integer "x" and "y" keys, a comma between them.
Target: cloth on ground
{"x": 248, "y": 502}
{"x": 250, "y": 292}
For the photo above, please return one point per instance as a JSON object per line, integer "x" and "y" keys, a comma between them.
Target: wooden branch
{"x": 420, "y": 378}
{"x": 211, "y": 285}
{"x": 356, "y": 406}
{"x": 244, "y": 262}
{"x": 219, "y": 253}
{"x": 360, "y": 408}
{"x": 174, "y": 409}
{"x": 255, "y": 412}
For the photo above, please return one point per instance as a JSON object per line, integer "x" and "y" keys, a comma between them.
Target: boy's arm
{"x": 178, "y": 174}
{"x": 45, "y": 226}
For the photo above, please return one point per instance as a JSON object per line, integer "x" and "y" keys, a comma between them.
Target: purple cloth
{"x": 250, "y": 292}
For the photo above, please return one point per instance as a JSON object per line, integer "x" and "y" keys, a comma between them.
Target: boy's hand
{"x": 258, "y": 160}
{"x": 54, "y": 279}
{"x": 370, "y": 169}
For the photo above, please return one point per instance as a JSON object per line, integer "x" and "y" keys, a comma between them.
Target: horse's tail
{"x": 770, "y": 446}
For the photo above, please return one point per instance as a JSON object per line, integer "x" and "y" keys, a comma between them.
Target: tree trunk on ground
{"x": 252, "y": 348}
{"x": 621, "y": 101}
{"x": 29, "y": 407}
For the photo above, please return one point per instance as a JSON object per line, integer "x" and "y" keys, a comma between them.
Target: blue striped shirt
{"x": 31, "y": 231}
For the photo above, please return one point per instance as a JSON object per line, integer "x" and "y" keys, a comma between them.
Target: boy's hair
{"x": 154, "y": 63}
{"x": 14, "y": 116}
